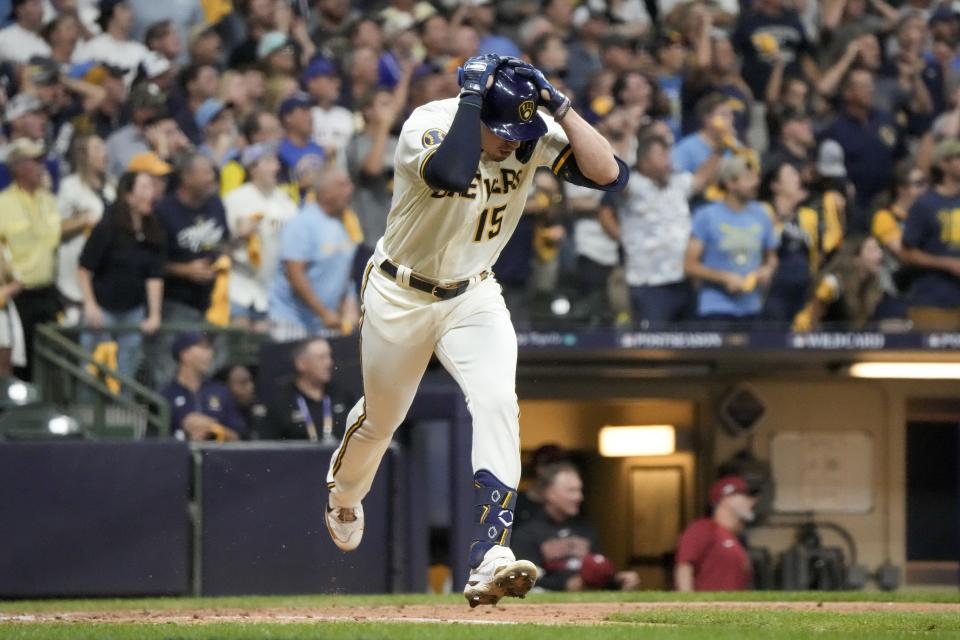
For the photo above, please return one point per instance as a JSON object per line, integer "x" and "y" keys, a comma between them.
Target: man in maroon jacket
{"x": 710, "y": 557}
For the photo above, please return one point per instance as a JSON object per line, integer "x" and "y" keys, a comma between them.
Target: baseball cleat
{"x": 514, "y": 580}
{"x": 345, "y": 526}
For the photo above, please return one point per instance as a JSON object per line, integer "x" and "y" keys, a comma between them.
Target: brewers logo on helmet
{"x": 510, "y": 107}
{"x": 527, "y": 107}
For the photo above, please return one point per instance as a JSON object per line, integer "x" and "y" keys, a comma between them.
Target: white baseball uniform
{"x": 442, "y": 237}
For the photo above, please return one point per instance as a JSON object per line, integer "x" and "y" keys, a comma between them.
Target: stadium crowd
{"x": 796, "y": 162}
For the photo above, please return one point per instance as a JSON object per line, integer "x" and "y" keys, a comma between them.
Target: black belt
{"x": 442, "y": 291}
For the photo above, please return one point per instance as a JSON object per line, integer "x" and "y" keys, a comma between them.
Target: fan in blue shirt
{"x": 732, "y": 249}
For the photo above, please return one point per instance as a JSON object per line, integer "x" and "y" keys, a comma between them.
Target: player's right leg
{"x": 396, "y": 342}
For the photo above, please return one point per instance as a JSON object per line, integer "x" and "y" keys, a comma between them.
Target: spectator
{"x": 216, "y": 121}
{"x": 239, "y": 381}
{"x": 259, "y": 127}
{"x": 21, "y": 40}
{"x": 562, "y": 543}
{"x": 297, "y": 143}
{"x": 81, "y": 199}
{"x": 845, "y": 21}
{"x": 199, "y": 83}
{"x": 793, "y": 143}
{"x": 370, "y": 160}
{"x": 434, "y": 33}
{"x": 205, "y": 47}
{"x": 151, "y": 164}
{"x": 931, "y": 246}
{"x": 107, "y": 117}
{"x": 850, "y": 289}
{"x": 31, "y": 229}
{"x": 766, "y": 31}
{"x": 716, "y": 131}
{"x": 710, "y": 556}
{"x": 200, "y": 408}
{"x": 584, "y": 52}
{"x": 114, "y": 45}
{"x": 331, "y": 23}
{"x": 530, "y": 502}
{"x": 62, "y": 34}
{"x": 169, "y": 24}
{"x": 311, "y": 291}
{"x": 256, "y": 213}
{"x": 732, "y": 249}
{"x": 363, "y": 76}
{"x": 121, "y": 272}
{"x": 869, "y": 138}
{"x": 164, "y": 38}
{"x": 652, "y": 220}
{"x": 714, "y": 68}
{"x": 310, "y": 406}
{"x": 13, "y": 348}
{"x": 888, "y": 221}
{"x": 333, "y": 125}
{"x": 797, "y": 230}
{"x": 27, "y": 120}
{"x": 147, "y": 113}
{"x": 672, "y": 55}
{"x": 196, "y": 229}
{"x": 276, "y": 54}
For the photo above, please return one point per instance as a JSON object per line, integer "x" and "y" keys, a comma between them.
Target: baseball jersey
{"x": 452, "y": 236}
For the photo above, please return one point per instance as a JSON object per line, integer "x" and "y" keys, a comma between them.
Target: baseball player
{"x": 463, "y": 167}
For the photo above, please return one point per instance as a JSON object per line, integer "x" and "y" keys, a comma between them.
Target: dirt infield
{"x": 513, "y": 613}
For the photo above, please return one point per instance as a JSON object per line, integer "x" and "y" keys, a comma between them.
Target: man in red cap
{"x": 710, "y": 557}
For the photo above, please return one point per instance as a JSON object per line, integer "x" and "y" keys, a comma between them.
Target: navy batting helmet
{"x": 510, "y": 107}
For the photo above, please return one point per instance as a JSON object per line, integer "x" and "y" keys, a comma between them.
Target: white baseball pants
{"x": 474, "y": 340}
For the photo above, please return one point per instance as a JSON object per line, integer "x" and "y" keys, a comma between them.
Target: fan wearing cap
{"x": 108, "y": 115}
{"x": 147, "y": 108}
{"x": 257, "y": 211}
{"x": 463, "y": 171}
{"x": 220, "y": 135}
{"x": 114, "y": 45}
{"x": 931, "y": 245}
{"x": 732, "y": 248}
{"x": 28, "y": 121}
{"x": 200, "y": 408}
{"x": 30, "y": 229}
{"x": 297, "y": 144}
{"x": 21, "y": 40}
{"x": 333, "y": 124}
{"x": 710, "y": 556}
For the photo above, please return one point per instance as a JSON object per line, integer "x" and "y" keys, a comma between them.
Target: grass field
{"x": 554, "y": 616}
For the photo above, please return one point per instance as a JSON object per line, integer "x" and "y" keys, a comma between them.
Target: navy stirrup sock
{"x": 493, "y": 505}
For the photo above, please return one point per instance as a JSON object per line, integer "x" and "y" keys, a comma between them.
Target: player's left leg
{"x": 479, "y": 348}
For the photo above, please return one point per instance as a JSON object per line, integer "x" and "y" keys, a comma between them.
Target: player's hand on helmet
{"x": 476, "y": 74}
{"x": 550, "y": 97}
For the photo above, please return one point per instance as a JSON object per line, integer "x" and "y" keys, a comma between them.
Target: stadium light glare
{"x": 906, "y": 370}
{"x": 645, "y": 440}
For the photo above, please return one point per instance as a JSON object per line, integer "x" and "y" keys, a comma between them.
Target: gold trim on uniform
{"x": 423, "y": 165}
{"x": 561, "y": 159}
{"x": 363, "y": 415}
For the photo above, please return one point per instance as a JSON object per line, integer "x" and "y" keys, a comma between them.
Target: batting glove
{"x": 555, "y": 102}
{"x": 476, "y": 74}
